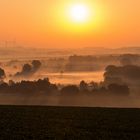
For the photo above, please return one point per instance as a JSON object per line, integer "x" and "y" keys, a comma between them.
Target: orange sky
{"x": 45, "y": 23}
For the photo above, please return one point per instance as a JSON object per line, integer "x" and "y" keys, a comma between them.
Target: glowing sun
{"x": 79, "y": 13}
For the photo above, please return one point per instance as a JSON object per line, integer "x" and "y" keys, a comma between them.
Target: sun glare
{"x": 79, "y": 13}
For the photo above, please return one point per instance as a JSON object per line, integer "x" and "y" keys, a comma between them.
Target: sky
{"x": 49, "y": 24}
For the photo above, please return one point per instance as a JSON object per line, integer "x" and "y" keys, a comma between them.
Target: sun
{"x": 79, "y": 13}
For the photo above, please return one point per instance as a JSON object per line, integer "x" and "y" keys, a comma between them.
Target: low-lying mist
{"x": 109, "y": 81}
{"x": 80, "y": 100}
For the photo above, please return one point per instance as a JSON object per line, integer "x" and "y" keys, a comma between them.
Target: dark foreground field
{"x": 28, "y": 122}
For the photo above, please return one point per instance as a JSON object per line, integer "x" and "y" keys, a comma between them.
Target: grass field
{"x": 68, "y": 123}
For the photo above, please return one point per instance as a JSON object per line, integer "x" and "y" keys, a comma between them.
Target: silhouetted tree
{"x": 83, "y": 86}
{"x": 2, "y": 75}
{"x": 118, "y": 89}
{"x": 129, "y": 59}
{"x": 29, "y": 69}
{"x": 36, "y": 65}
{"x": 70, "y": 90}
{"x": 4, "y": 87}
{"x": 93, "y": 85}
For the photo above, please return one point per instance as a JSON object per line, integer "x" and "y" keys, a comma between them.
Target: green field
{"x": 68, "y": 123}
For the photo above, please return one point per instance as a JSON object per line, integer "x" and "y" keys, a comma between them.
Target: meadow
{"x": 68, "y": 123}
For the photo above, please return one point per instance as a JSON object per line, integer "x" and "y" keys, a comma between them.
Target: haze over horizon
{"x": 58, "y": 24}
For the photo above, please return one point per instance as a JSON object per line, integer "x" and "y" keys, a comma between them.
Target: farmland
{"x": 40, "y": 122}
